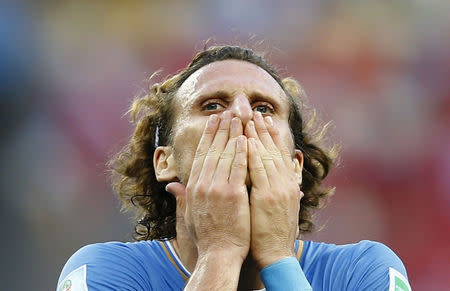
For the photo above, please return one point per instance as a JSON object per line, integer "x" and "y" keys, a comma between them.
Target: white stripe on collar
{"x": 174, "y": 254}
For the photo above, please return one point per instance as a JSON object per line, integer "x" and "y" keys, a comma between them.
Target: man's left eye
{"x": 211, "y": 106}
{"x": 262, "y": 108}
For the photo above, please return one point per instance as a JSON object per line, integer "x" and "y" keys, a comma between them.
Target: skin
{"x": 238, "y": 194}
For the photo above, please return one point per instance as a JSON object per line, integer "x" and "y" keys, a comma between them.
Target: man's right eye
{"x": 212, "y": 106}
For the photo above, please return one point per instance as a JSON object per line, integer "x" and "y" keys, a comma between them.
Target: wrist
{"x": 227, "y": 252}
{"x": 263, "y": 261}
{"x": 234, "y": 257}
{"x": 214, "y": 270}
{"x": 286, "y": 272}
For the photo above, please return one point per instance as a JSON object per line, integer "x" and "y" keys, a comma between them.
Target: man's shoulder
{"x": 371, "y": 251}
{"x": 363, "y": 252}
{"x": 354, "y": 251}
{"x": 108, "y": 260}
{"x": 100, "y": 252}
{"x": 364, "y": 262}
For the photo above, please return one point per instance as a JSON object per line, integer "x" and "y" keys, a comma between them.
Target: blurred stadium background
{"x": 69, "y": 70}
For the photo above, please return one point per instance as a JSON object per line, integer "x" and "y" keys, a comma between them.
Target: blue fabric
{"x": 285, "y": 274}
{"x": 361, "y": 266}
{"x": 125, "y": 266}
{"x": 145, "y": 266}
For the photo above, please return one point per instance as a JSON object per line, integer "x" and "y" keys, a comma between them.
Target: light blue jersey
{"x": 366, "y": 265}
{"x": 154, "y": 265}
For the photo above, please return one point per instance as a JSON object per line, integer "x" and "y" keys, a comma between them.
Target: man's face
{"x": 238, "y": 86}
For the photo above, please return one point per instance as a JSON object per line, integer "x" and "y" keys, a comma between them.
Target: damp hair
{"x": 132, "y": 173}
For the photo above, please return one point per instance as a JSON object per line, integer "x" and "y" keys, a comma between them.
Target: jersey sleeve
{"x": 107, "y": 266}
{"x": 377, "y": 267}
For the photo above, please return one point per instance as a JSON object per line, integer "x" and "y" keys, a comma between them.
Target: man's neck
{"x": 187, "y": 252}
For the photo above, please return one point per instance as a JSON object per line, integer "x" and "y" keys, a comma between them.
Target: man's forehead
{"x": 228, "y": 75}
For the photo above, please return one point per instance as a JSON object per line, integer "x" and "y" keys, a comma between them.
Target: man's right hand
{"x": 215, "y": 200}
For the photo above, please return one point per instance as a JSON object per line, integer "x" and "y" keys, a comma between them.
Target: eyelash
{"x": 259, "y": 103}
{"x": 211, "y": 103}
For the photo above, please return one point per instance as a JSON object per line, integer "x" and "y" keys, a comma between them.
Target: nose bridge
{"x": 242, "y": 108}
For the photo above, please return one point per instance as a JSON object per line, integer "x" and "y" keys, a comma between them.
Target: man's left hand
{"x": 275, "y": 193}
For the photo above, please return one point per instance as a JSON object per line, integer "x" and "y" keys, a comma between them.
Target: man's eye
{"x": 263, "y": 109}
{"x": 212, "y": 106}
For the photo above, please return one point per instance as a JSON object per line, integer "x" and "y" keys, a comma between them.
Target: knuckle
{"x": 266, "y": 157}
{"x": 259, "y": 170}
{"x": 222, "y": 130}
{"x": 274, "y": 152}
{"x": 201, "y": 188}
{"x": 285, "y": 151}
{"x": 235, "y": 192}
{"x": 213, "y": 151}
{"x": 239, "y": 164}
{"x": 275, "y": 132}
{"x": 214, "y": 191}
{"x": 240, "y": 150}
{"x": 232, "y": 197}
{"x": 200, "y": 153}
{"x": 219, "y": 191}
{"x": 294, "y": 193}
{"x": 265, "y": 198}
{"x": 263, "y": 129}
{"x": 189, "y": 188}
{"x": 209, "y": 130}
{"x": 226, "y": 156}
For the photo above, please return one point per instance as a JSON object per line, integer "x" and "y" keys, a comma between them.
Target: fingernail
{"x": 269, "y": 120}
{"x": 258, "y": 116}
{"x": 226, "y": 115}
{"x": 250, "y": 124}
{"x": 213, "y": 118}
{"x": 235, "y": 123}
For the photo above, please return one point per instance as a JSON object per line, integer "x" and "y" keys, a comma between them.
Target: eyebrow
{"x": 254, "y": 96}
{"x": 214, "y": 95}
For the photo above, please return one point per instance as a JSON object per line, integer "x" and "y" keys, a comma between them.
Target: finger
{"x": 236, "y": 127}
{"x": 267, "y": 141}
{"x": 268, "y": 162}
{"x": 272, "y": 161}
{"x": 179, "y": 191}
{"x": 203, "y": 146}
{"x": 216, "y": 148}
{"x": 258, "y": 174}
{"x": 279, "y": 142}
{"x": 250, "y": 130}
{"x": 239, "y": 167}
{"x": 222, "y": 172}
{"x": 262, "y": 131}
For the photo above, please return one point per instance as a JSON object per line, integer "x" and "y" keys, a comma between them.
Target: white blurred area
{"x": 69, "y": 70}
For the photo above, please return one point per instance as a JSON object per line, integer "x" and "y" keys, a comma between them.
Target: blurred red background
{"x": 69, "y": 70}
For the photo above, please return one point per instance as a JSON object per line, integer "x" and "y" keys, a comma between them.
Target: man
{"x": 223, "y": 174}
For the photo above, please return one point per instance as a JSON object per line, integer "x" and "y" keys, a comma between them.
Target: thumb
{"x": 179, "y": 191}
